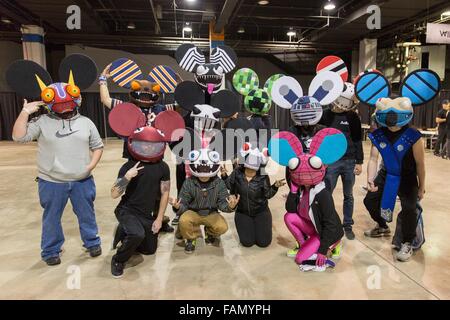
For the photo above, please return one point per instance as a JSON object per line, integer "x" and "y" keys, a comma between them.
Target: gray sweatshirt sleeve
{"x": 33, "y": 131}
{"x": 95, "y": 141}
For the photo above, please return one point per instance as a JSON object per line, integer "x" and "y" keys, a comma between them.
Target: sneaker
{"x": 377, "y": 232}
{"x": 95, "y": 251}
{"x": 292, "y": 253}
{"x": 175, "y": 220}
{"x": 53, "y": 261}
{"x": 405, "y": 252}
{"x": 189, "y": 247}
{"x": 210, "y": 240}
{"x": 167, "y": 228}
{"x": 336, "y": 251}
{"x": 117, "y": 268}
{"x": 349, "y": 234}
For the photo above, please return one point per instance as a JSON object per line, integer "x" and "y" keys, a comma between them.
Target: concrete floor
{"x": 366, "y": 270}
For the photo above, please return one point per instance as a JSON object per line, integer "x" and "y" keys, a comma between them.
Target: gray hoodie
{"x": 63, "y": 146}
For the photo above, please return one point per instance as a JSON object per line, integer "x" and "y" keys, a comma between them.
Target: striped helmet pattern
{"x": 306, "y": 111}
{"x": 192, "y": 59}
{"x": 165, "y": 77}
{"x": 123, "y": 71}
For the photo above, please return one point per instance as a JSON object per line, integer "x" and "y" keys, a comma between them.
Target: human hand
{"x": 371, "y": 187}
{"x": 156, "y": 226}
{"x": 421, "y": 193}
{"x": 133, "y": 172}
{"x": 358, "y": 169}
{"x": 31, "y": 107}
{"x": 105, "y": 72}
{"x": 321, "y": 260}
{"x": 175, "y": 203}
{"x": 233, "y": 201}
{"x": 280, "y": 183}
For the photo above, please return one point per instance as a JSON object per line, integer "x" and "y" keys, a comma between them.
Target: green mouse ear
{"x": 245, "y": 80}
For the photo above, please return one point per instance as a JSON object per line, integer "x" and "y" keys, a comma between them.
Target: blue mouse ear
{"x": 284, "y": 146}
{"x": 421, "y": 86}
{"x": 372, "y": 86}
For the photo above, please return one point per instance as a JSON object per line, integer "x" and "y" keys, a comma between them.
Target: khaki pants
{"x": 190, "y": 222}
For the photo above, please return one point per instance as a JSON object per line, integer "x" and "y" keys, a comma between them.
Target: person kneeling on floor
{"x": 201, "y": 197}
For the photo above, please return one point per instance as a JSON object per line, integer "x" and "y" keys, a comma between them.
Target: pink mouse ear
{"x": 125, "y": 118}
{"x": 170, "y": 124}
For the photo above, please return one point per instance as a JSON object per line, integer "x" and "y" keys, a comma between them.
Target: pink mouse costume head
{"x": 308, "y": 169}
{"x": 146, "y": 143}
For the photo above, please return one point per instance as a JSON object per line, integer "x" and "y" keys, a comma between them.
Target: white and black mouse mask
{"x": 209, "y": 76}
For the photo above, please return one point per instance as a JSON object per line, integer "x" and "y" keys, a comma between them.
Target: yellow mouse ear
{"x": 41, "y": 83}
{"x": 71, "y": 81}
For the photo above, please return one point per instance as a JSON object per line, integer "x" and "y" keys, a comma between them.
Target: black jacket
{"x": 325, "y": 218}
{"x": 253, "y": 193}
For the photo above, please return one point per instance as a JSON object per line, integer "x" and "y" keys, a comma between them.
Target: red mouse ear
{"x": 170, "y": 124}
{"x": 125, "y": 118}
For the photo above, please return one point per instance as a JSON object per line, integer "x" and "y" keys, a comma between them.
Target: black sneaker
{"x": 349, "y": 234}
{"x": 95, "y": 251}
{"x": 167, "y": 228}
{"x": 175, "y": 220}
{"x": 189, "y": 247}
{"x": 117, "y": 268}
{"x": 53, "y": 261}
{"x": 209, "y": 240}
{"x": 377, "y": 232}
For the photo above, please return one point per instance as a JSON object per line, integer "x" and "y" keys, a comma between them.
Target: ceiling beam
{"x": 87, "y": 8}
{"x": 225, "y": 15}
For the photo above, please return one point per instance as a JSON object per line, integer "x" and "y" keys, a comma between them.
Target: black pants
{"x": 408, "y": 193}
{"x": 137, "y": 235}
{"x": 254, "y": 230}
{"x": 441, "y": 141}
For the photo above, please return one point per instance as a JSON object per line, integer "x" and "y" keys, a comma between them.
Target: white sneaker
{"x": 405, "y": 252}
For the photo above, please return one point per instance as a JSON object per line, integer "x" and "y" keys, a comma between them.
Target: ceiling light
{"x": 263, "y": 2}
{"x": 187, "y": 28}
{"x": 131, "y": 26}
{"x": 329, "y": 6}
{"x": 291, "y": 33}
{"x": 445, "y": 14}
{"x": 6, "y": 20}
{"x": 190, "y": 0}
{"x": 241, "y": 30}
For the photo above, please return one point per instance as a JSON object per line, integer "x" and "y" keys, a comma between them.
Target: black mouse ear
{"x": 226, "y": 101}
{"x": 225, "y": 57}
{"x": 188, "y": 94}
{"x": 189, "y": 57}
{"x": 27, "y": 78}
{"x": 78, "y": 69}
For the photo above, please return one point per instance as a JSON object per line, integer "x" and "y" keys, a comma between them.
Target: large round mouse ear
{"x": 27, "y": 78}
{"x": 284, "y": 146}
{"x": 333, "y": 64}
{"x": 226, "y": 101}
{"x": 170, "y": 124}
{"x": 189, "y": 57}
{"x": 165, "y": 77}
{"x": 421, "y": 86}
{"x": 326, "y": 87}
{"x": 329, "y": 145}
{"x": 188, "y": 94}
{"x": 123, "y": 71}
{"x": 225, "y": 57}
{"x": 269, "y": 83}
{"x": 258, "y": 102}
{"x": 78, "y": 69}
{"x": 245, "y": 80}
{"x": 372, "y": 86}
{"x": 125, "y": 118}
{"x": 285, "y": 91}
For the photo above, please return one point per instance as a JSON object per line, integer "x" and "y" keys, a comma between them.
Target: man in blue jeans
{"x": 342, "y": 116}
{"x": 69, "y": 148}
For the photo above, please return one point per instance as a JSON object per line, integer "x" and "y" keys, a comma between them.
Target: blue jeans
{"x": 53, "y": 198}
{"x": 345, "y": 170}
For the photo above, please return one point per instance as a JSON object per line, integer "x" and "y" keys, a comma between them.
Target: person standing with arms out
{"x": 442, "y": 123}
{"x": 342, "y": 116}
